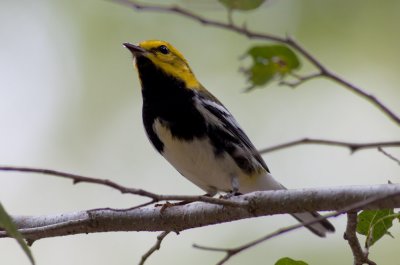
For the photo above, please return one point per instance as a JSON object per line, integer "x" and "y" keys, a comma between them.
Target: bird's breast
{"x": 195, "y": 159}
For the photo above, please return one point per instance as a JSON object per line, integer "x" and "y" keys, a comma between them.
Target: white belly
{"x": 195, "y": 160}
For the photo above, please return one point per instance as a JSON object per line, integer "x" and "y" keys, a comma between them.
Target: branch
{"x": 299, "y": 80}
{"x": 352, "y": 146}
{"x": 124, "y": 190}
{"x": 334, "y": 77}
{"x": 230, "y": 252}
{"x": 154, "y": 248}
{"x": 323, "y": 70}
{"x": 199, "y": 214}
{"x": 395, "y": 159}
{"x": 360, "y": 257}
{"x": 190, "y": 15}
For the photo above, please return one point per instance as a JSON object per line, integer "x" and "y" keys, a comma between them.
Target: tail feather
{"x": 320, "y": 228}
{"x": 267, "y": 182}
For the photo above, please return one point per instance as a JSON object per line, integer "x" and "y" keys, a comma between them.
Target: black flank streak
{"x": 225, "y": 142}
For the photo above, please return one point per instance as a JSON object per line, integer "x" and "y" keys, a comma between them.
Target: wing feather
{"x": 218, "y": 115}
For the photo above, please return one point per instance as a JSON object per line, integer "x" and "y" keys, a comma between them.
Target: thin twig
{"x": 154, "y": 248}
{"x": 395, "y": 159}
{"x": 352, "y": 146}
{"x": 334, "y": 77}
{"x": 105, "y": 182}
{"x": 230, "y": 252}
{"x": 299, "y": 80}
{"x": 360, "y": 256}
{"x": 190, "y": 15}
{"x": 324, "y": 72}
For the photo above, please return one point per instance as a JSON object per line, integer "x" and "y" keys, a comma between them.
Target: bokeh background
{"x": 70, "y": 100}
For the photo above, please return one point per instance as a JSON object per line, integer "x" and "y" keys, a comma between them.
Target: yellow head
{"x": 166, "y": 57}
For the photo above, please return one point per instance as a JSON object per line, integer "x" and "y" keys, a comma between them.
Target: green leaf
{"x": 374, "y": 224}
{"x": 289, "y": 261}
{"x": 244, "y": 5}
{"x": 7, "y": 224}
{"x": 269, "y": 62}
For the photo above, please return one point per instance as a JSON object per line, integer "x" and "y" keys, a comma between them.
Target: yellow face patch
{"x": 170, "y": 60}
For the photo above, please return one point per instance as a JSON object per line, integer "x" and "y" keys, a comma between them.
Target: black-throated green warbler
{"x": 196, "y": 134}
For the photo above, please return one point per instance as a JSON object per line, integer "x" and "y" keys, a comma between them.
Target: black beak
{"x": 135, "y": 50}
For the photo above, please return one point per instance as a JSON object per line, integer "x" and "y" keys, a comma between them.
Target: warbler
{"x": 193, "y": 130}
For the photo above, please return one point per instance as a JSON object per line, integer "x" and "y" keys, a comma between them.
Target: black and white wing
{"x": 226, "y": 134}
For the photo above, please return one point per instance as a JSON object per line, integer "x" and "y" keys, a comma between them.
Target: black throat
{"x": 166, "y": 98}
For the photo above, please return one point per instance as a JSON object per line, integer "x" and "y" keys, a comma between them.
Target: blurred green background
{"x": 70, "y": 100}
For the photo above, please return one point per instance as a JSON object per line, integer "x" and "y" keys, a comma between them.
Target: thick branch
{"x": 198, "y": 214}
{"x": 323, "y": 70}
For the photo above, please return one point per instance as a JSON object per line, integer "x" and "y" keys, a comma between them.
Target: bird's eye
{"x": 163, "y": 49}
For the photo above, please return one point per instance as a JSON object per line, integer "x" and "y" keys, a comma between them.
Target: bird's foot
{"x": 230, "y": 194}
{"x": 168, "y": 204}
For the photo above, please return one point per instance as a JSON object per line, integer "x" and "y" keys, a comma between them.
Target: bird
{"x": 196, "y": 133}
